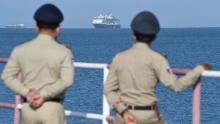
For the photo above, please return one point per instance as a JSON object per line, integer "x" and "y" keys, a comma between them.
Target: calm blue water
{"x": 184, "y": 48}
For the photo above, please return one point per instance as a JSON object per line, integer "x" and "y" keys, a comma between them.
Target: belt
{"x": 132, "y": 107}
{"x": 152, "y": 107}
{"x": 50, "y": 100}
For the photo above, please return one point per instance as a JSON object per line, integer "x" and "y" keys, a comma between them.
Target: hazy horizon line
{"x": 116, "y": 29}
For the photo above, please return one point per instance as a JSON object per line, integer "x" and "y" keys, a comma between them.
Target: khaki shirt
{"x": 44, "y": 65}
{"x": 134, "y": 75}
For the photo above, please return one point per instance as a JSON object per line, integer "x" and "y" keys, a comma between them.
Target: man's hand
{"x": 30, "y": 95}
{"x": 38, "y": 101}
{"x": 206, "y": 66}
{"x": 129, "y": 118}
{"x": 34, "y": 99}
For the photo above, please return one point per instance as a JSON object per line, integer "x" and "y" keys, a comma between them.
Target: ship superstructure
{"x": 106, "y": 21}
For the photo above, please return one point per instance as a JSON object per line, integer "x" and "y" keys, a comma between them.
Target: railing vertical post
{"x": 17, "y": 111}
{"x": 106, "y": 108}
{"x": 196, "y": 103}
{"x": 17, "y": 102}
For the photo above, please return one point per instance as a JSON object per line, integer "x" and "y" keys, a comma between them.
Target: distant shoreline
{"x": 120, "y": 28}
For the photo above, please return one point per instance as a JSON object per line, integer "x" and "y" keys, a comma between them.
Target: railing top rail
{"x": 77, "y": 64}
{"x": 90, "y": 65}
{"x": 103, "y": 66}
{"x": 204, "y": 74}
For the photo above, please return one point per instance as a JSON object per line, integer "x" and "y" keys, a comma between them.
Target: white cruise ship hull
{"x": 106, "y": 26}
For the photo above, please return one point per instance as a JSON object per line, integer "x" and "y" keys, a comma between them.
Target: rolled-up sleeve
{"x": 171, "y": 81}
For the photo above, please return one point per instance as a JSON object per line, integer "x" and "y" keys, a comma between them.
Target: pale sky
{"x": 79, "y": 13}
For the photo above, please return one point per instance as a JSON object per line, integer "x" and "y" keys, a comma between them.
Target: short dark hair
{"x": 51, "y": 27}
{"x": 145, "y": 38}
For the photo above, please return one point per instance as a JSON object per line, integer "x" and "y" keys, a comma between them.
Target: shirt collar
{"x": 45, "y": 37}
{"x": 140, "y": 45}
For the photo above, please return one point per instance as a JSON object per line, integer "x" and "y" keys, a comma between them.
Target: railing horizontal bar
{"x": 90, "y": 65}
{"x": 102, "y": 66}
{"x": 77, "y": 64}
{"x": 3, "y": 60}
{"x": 7, "y": 105}
{"x": 67, "y": 112}
{"x": 84, "y": 115}
{"x": 204, "y": 74}
{"x": 211, "y": 73}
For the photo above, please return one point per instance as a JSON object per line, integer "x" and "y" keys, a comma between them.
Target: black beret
{"x": 145, "y": 23}
{"x": 48, "y": 14}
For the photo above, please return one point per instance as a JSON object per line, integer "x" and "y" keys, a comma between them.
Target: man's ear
{"x": 133, "y": 37}
{"x": 58, "y": 30}
{"x": 37, "y": 28}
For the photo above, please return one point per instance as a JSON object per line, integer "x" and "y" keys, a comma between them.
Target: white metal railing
{"x": 106, "y": 108}
{"x": 104, "y": 117}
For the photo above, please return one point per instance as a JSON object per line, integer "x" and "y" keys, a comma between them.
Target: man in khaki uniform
{"x": 134, "y": 75}
{"x": 46, "y": 70}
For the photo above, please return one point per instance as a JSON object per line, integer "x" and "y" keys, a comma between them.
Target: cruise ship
{"x": 106, "y": 21}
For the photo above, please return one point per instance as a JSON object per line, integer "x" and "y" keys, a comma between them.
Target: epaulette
{"x": 66, "y": 45}
{"x": 125, "y": 49}
{"x": 23, "y": 43}
{"x": 162, "y": 54}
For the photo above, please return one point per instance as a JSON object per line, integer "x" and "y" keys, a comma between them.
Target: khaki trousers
{"x": 48, "y": 113}
{"x": 142, "y": 117}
